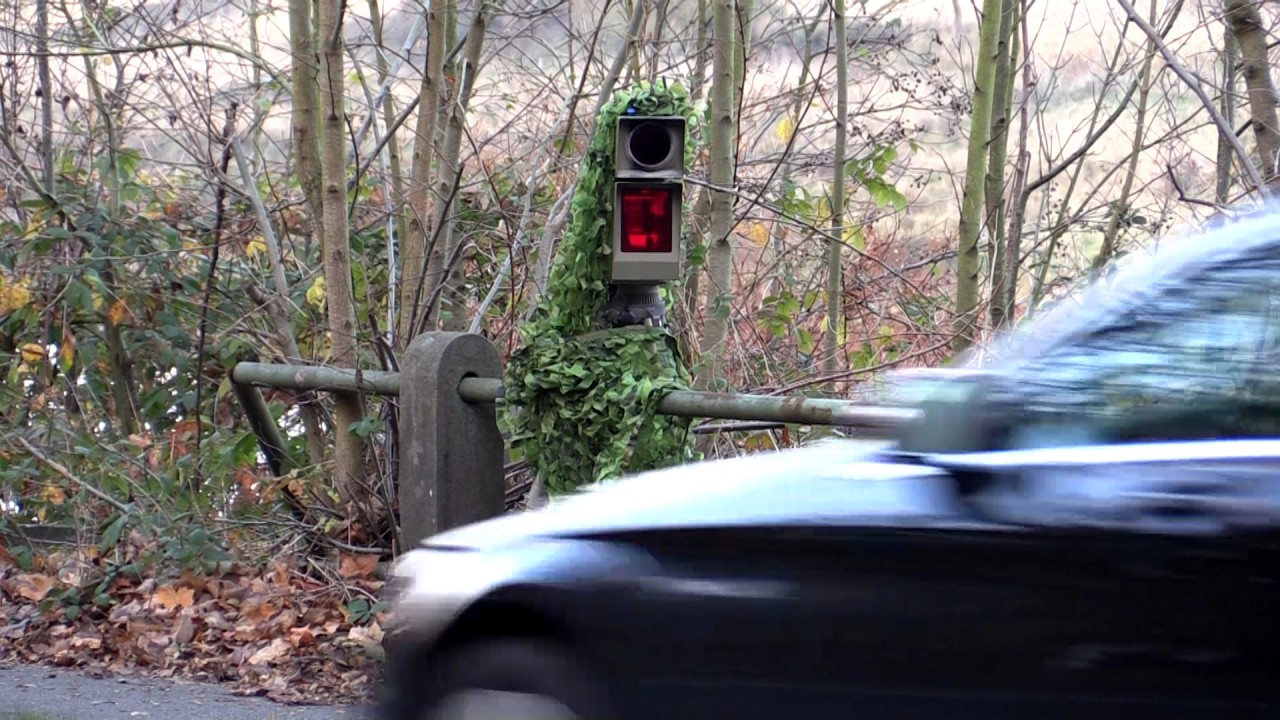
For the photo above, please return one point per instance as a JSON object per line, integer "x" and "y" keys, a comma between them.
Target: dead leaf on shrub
{"x": 171, "y": 598}
{"x": 53, "y": 495}
{"x": 30, "y": 586}
{"x": 6, "y": 560}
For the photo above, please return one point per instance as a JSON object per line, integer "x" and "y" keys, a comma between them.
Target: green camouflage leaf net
{"x": 581, "y": 403}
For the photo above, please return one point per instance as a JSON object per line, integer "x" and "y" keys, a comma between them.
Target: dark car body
{"x": 1086, "y": 526}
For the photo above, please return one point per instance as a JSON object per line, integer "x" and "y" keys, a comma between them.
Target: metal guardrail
{"x": 448, "y": 386}
{"x": 680, "y": 403}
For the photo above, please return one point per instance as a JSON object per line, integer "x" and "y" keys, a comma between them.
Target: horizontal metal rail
{"x": 726, "y": 406}
{"x": 680, "y": 403}
{"x": 314, "y": 377}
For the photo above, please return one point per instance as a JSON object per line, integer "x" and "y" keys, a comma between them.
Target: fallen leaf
{"x": 357, "y": 566}
{"x": 171, "y": 598}
{"x": 369, "y": 635}
{"x": 75, "y": 571}
{"x": 259, "y": 611}
{"x": 186, "y": 629}
{"x": 32, "y": 586}
{"x": 86, "y": 642}
{"x": 280, "y": 573}
{"x": 271, "y": 653}
{"x": 6, "y": 560}
{"x": 302, "y": 636}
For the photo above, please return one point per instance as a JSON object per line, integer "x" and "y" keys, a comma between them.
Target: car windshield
{"x": 1087, "y": 300}
{"x": 1168, "y": 330}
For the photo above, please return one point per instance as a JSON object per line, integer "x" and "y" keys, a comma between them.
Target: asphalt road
{"x": 39, "y": 693}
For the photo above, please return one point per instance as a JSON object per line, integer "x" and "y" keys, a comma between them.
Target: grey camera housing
{"x": 649, "y": 147}
{"x": 648, "y": 153}
{"x": 648, "y": 267}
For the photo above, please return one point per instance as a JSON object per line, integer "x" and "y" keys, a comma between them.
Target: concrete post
{"x": 451, "y": 450}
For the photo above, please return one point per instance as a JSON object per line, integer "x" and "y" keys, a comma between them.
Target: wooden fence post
{"x": 451, "y": 451}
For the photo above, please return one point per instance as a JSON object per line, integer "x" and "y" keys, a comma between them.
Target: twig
{"x": 845, "y": 374}
{"x": 1182, "y": 195}
{"x": 65, "y": 473}
{"x": 87, "y": 51}
{"x": 211, "y": 279}
{"x": 1250, "y": 170}
{"x": 743, "y": 426}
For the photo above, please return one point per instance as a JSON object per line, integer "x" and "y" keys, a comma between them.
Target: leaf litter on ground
{"x": 268, "y": 631}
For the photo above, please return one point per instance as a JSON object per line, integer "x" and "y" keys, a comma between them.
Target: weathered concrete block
{"x": 451, "y": 452}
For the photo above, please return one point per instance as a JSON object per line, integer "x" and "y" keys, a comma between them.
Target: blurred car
{"x": 1082, "y": 524}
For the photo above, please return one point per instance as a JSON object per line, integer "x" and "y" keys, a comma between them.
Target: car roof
{"x": 1131, "y": 280}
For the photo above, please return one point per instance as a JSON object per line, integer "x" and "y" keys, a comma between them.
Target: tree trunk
{"x": 967, "y": 265}
{"x": 277, "y": 304}
{"x": 699, "y": 82}
{"x": 46, "y": 96}
{"x": 1228, "y": 109}
{"x": 799, "y": 100}
{"x": 546, "y": 250}
{"x": 1076, "y": 164}
{"x": 1120, "y": 210}
{"x": 388, "y": 121}
{"x": 413, "y": 247}
{"x": 449, "y": 72}
{"x": 721, "y": 174}
{"x": 124, "y": 387}
{"x": 348, "y": 447}
{"x": 741, "y": 49}
{"x": 305, "y": 101}
{"x": 1013, "y": 239}
{"x": 448, "y": 304}
{"x": 659, "y": 26}
{"x": 697, "y": 221}
{"x": 998, "y": 156}
{"x": 835, "y": 256}
{"x": 1245, "y": 23}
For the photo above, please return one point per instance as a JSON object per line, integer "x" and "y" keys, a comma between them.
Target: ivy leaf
{"x": 804, "y": 341}
{"x": 316, "y": 293}
{"x": 112, "y": 534}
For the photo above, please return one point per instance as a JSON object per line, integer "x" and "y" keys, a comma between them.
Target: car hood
{"x": 834, "y": 482}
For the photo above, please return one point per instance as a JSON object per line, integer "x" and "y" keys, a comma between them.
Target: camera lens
{"x": 649, "y": 145}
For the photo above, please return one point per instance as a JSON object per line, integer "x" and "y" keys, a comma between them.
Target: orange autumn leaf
{"x": 170, "y": 597}
{"x": 31, "y": 586}
{"x": 53, "y": 495}
{"x": 259, "y": 612}
{"x": 277, "y": 649}
{"x": 357, "y": 566}
{"x": 280, "y": 573}
{"x": 117, "y": 312}
{"x": 302, "y": 636}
